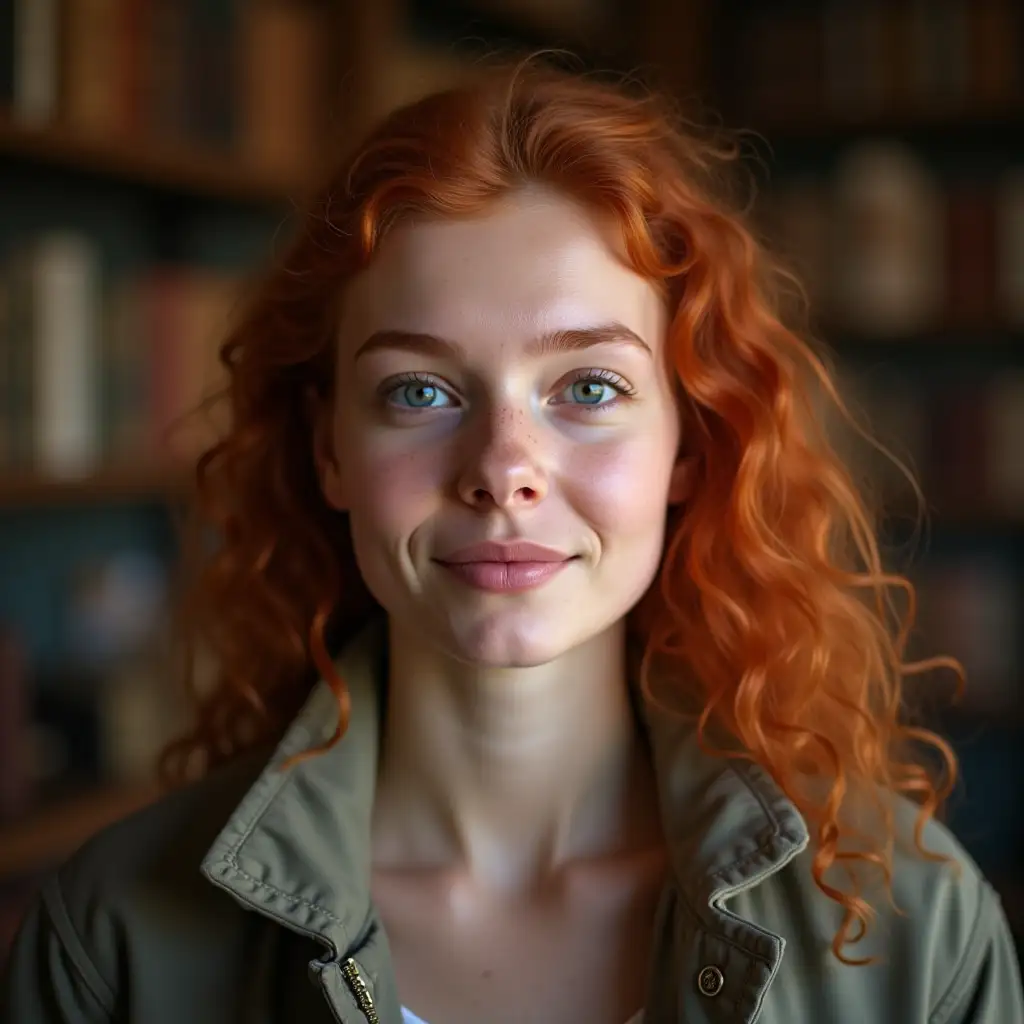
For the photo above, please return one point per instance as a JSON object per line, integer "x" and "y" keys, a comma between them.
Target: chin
{"x": 509, "y": 642}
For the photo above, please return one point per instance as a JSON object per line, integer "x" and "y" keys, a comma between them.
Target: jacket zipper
{"x": 361, "y": 994}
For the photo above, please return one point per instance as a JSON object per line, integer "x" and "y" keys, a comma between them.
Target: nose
{"x": 502, "y": 470}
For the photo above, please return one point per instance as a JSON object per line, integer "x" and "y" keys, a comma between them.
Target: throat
{"x": 511, "y": 775}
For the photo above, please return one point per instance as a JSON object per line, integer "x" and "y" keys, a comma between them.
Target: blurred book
{"x": 971, "y": 254}
{"x": 29, "y": 58}
{"x": 282, "y": 90}
{"x": 1009, "y": 202}
{"x": 858, "y": 60}
{"x": 243, "y": 76}
{"x": 96, "y": 373}
{"x": 49, "y": 349}
{"x": 888, "y": 276}
{"x": 1005, "y": 453}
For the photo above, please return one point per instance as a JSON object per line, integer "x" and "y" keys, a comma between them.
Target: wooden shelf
{"x": 161, "y": 483}
{"x": 832, "y": 127}
{"x": 50, "y": 835}
{"x": 173, "y": 167}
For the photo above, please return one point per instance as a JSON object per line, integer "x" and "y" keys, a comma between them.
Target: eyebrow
{"x": 572, "y": 339}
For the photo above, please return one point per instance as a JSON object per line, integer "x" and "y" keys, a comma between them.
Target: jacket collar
{"x": 297, "y": 847}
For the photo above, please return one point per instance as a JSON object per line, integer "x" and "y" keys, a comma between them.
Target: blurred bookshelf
{"x": 150, "y": 151}
{"x": 895, "y": 187}
{"x": 177, "y": 167}
{"x": 168, "y": 483}
{"x": 886, "y": 144}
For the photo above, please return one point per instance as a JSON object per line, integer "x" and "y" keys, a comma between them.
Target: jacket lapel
{"x": 297, "y": 850}
{"x": 729, "y": 827}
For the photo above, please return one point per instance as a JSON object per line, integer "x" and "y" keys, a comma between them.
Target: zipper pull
{"x": 359, "y": 990}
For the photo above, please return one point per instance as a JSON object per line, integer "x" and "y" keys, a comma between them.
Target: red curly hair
{"x": 771, "y": 603}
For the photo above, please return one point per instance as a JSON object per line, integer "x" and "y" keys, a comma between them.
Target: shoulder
{"x": 162, "y": 844}
{"x": 941, "y": 948}
{"x": 948, "y": 926}
{"x": 128, "y": 892}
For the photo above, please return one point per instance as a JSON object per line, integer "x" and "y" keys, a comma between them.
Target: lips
{"x": 515, "y": 551}
{"x": 497, "y": 567}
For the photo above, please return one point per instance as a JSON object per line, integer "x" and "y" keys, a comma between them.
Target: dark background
{"x": 151, "y": 152}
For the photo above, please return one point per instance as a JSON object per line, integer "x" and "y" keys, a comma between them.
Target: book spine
{"x": 213, "y": 76}
{"x": 92, "y": 89}
{"x": 65, "y": 313}
{"x": 162, "y": 319}
{"x": 1006, "y": 453}
{"x": 124, "y": 397}
{"x": 279, "y": 87}
{"x": 971, "y": 255}
{"x": 167, "y": 100}
{"x": 36, "y": 60}
{"x": 21, "y": 333}
{"x": 1010, "y": 244}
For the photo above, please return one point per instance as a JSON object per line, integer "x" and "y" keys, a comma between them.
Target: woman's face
{"x": 502, "y": 379}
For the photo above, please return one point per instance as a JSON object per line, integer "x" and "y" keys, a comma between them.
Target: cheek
{"x": 393, "y": 487}
{"x": 621, "y": 487}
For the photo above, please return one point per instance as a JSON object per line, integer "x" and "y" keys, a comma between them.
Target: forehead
{"x": 533, "y": 262}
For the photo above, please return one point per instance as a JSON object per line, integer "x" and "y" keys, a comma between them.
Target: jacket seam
{"x": 236, "y": 847}
{"x": 722, "y": 937}
{"x": 962, "y": 976}
{"x": 773, "y": 820}
{"x": 760, "y": 850}
{"x": 298, "y": 900}
{"x": 71, "y": 943}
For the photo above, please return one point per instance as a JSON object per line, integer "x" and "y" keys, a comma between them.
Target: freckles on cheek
{"x": 618, "y": 486}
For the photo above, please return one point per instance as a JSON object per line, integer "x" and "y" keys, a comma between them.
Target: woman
{"x": 521, "y": 467}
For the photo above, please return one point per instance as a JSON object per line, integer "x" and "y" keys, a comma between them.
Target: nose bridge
{"x": 509, "y": 427}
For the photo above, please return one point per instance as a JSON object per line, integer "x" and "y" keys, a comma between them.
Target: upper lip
{"x": 516, "y": 551}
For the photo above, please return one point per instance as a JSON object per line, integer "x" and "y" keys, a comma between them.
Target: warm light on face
{"x": 502, "y": 378}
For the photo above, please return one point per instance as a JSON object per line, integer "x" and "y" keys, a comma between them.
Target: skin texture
{"x": 515, "y": 806}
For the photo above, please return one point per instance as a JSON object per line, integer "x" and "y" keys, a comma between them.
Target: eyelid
{"x": 623, "y": 388}
{"x": 609, "y": 377}
{"x": 624, "y": 391}
{"x": 388, "y": 386}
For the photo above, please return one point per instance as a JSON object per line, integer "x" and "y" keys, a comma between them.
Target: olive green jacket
{"x": 245, "y": 898}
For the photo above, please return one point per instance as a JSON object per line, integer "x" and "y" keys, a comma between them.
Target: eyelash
{"x": 613, "y": 380}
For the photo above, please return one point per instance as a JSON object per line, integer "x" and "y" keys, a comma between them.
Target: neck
{"x": 510, "y": 773}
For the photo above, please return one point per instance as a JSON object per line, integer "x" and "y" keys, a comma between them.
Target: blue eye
{"x": 591, "y": 391}
{"x": 418, "y": 394}
{"x": 597, "y": 388}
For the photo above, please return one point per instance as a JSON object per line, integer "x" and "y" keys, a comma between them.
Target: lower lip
{"x": 505, "y": 576}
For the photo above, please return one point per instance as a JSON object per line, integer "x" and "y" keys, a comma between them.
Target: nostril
{"x": 481, "y": 496}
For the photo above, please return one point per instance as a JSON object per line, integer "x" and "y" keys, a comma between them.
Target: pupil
{"x": 588, "y": 391}
{"x": 421, "y": 394}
